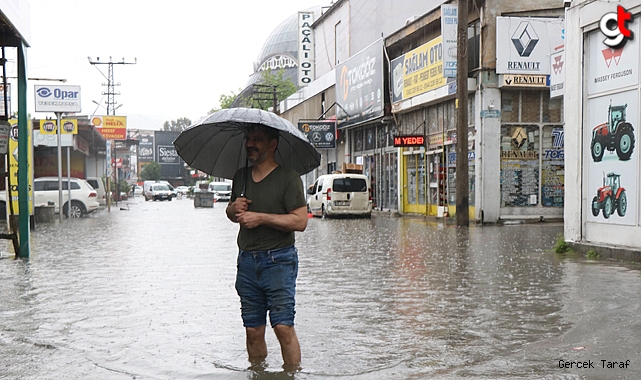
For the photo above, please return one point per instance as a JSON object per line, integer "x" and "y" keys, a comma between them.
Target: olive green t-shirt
{"x": 278, "y": 193}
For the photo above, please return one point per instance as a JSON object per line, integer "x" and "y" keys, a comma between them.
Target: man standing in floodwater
{"x": 269, "y": 204}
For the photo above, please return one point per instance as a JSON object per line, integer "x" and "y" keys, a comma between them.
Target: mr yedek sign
{"x": 57, "y": 98}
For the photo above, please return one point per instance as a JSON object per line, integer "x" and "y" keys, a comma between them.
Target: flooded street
{"x": 147, "y": 292}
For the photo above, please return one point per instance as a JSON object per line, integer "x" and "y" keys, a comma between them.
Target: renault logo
{"x": 525, "y": 39}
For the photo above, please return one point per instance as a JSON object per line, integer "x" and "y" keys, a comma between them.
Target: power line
{"x": 111, "y": 103}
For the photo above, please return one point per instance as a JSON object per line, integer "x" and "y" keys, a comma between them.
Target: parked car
{"x": 137, "y": 190}
{"x": 84, "y": 198}
{"x": 182, "y": 190}
{"x": 340, "y": 195}
{"x": 99, "y": 186}
{"x": 221, "y": 190}
{"x": 158, "y": 192}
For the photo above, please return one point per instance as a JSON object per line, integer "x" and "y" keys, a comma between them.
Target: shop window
{"x": 520, "y": 165}
{"x": 510, "y": 105}
{"x": 370, "y": 139}
{"x": 530, "y": 106}
{"x": 449, "y": 116}
{"x": 552, "y": 166}
{"x": 432, "y": 119}
{"x": 412, "y": 180}
{"x": 552, "y": 108}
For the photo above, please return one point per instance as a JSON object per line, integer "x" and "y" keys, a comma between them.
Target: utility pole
{"x": 462, "y": 164}
{"x": 111, "y": 111}
{"x": 111, "y": 103}
{"x": 266, "y": 93}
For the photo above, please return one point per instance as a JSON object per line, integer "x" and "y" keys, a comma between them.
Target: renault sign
{"x": 57, "y": 98}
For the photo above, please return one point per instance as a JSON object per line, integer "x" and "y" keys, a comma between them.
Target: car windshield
{"x": 347, "y": 185}
{"x": 221, "y": 187}
{"x": 161, "y": 187}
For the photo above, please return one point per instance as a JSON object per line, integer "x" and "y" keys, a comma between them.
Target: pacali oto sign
{"x": 111, "y": 127}
{"x": 322, "y": 134}
{"x": 405, "y": 141}
{"x": 167, "y": 154}
{"x": 305, "y": 48}
{"x": 57, "y": 98}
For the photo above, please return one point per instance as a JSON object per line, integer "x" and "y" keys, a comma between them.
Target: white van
{"x": 221, "y": 190}
{"x": 99, "y": 186}
{"x": 340, "y": 195}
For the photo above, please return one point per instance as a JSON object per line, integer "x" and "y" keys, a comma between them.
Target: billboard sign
{"x": 57, "y": 98}
{"x": 321, "y": 133}
{"x": 524, "y": 45}
{"x": 49, "y": 127}
{"x": 146, "y": 148}
{"x": 305, "y": 48}
{"x": 449, "y": 26}
{"x": 167, "y": 154}
{"x": 418, "y": 71}
{"x": 359, "y": 86}
{"x": 111, "y": 127}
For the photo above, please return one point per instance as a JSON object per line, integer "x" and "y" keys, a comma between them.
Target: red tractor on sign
{"x": 609, "y": 197}
{"x": 617, "y": 134}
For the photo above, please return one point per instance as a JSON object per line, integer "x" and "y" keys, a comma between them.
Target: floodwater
{"x": 147, "y": 292}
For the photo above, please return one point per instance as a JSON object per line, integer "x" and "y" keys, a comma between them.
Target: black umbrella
{"x": 216, "y": 144}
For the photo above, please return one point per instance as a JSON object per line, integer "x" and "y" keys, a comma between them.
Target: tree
{"x": 150, "y": 172}
{"x": 263, "y": 93}
{"x": 225, "y": 101}
{"x": 178, "y": 125}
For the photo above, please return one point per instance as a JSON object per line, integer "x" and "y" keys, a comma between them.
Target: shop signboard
{"x": 305, "y": 48}
{"x": 167, "y": 154}
{"x": 449, "y": 31}
{"x": 418, "y": 71}
{"x": 146, "y": 148}
{"x": 50, "y": 98}
{"x": 12, "y": 155}
{"x": 321, "y": 133}
{"x": 524, "y": 45}
{"x": 111, "y": 127}
{"x": 2, "y": 94}
{"x": 557, "y": 73}
{"x": 359, "y": 86}
{"x": 406, "y": 141}
{"x": 50, "y": 127}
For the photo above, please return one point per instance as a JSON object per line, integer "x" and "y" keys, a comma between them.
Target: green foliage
{"x": 561, "y": 245}
{"x": 592, "y": 254}
{"x": 178, "y": 125}
{"x": 150, "y": 172}
{"x": 225, "y": 101}
{"x": 263, "y": 96}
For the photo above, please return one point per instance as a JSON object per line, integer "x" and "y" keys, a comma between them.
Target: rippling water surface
{"x": 146, "y": 292}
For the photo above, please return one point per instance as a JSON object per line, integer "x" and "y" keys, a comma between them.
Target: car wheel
{"x": 170, "y": 198}
{"x": 323, "y": 212}
{"x": 77, "y": 210}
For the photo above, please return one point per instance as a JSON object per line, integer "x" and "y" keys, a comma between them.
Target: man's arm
{"x": 236, "y": 207}
{"x": 295, "y": 220}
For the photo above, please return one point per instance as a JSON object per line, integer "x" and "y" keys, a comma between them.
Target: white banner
{"x": 57, "y": 98}
{"x": 524, "y": 45}
{"x": 449, "y": 31}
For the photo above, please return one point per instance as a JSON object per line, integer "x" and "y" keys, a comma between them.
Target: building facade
{"x": 603, "y": 101}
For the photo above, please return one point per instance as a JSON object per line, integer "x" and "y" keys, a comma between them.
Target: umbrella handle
{"x": 245, "y": 174}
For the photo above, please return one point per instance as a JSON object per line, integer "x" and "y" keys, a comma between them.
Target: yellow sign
{"x": 111, "y": 127}
{"x": 423, "y": 68}
{"x": 13, "y": 166}
{"x": 49, "y": 127}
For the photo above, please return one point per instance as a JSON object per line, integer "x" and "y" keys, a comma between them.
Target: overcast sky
{"x": 188, "y": 52}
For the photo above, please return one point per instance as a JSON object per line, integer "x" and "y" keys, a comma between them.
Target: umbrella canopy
{"x": 216, "y": 144}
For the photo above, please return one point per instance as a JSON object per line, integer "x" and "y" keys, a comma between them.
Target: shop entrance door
{"x": 414, "y": 183}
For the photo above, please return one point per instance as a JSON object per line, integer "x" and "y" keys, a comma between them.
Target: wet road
{"x": 147, "y": 293}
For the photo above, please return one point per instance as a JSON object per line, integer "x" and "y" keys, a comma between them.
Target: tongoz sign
{"x": 57, "y": 98}
{"x": 167, "y": 154}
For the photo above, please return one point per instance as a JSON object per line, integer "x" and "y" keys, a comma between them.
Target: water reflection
{"x": 147, "y": 293}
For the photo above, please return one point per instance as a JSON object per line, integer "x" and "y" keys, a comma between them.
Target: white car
{"x": 334, "y": 195}
{"x": 84, "y": 198}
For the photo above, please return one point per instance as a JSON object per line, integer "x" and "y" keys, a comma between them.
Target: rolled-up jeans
{"x": 266, "y": 282}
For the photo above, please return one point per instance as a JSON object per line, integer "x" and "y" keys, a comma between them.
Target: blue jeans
{"x": 266, "y": 281}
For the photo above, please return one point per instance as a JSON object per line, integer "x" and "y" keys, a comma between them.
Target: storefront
{"x": 603, "y": 198}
